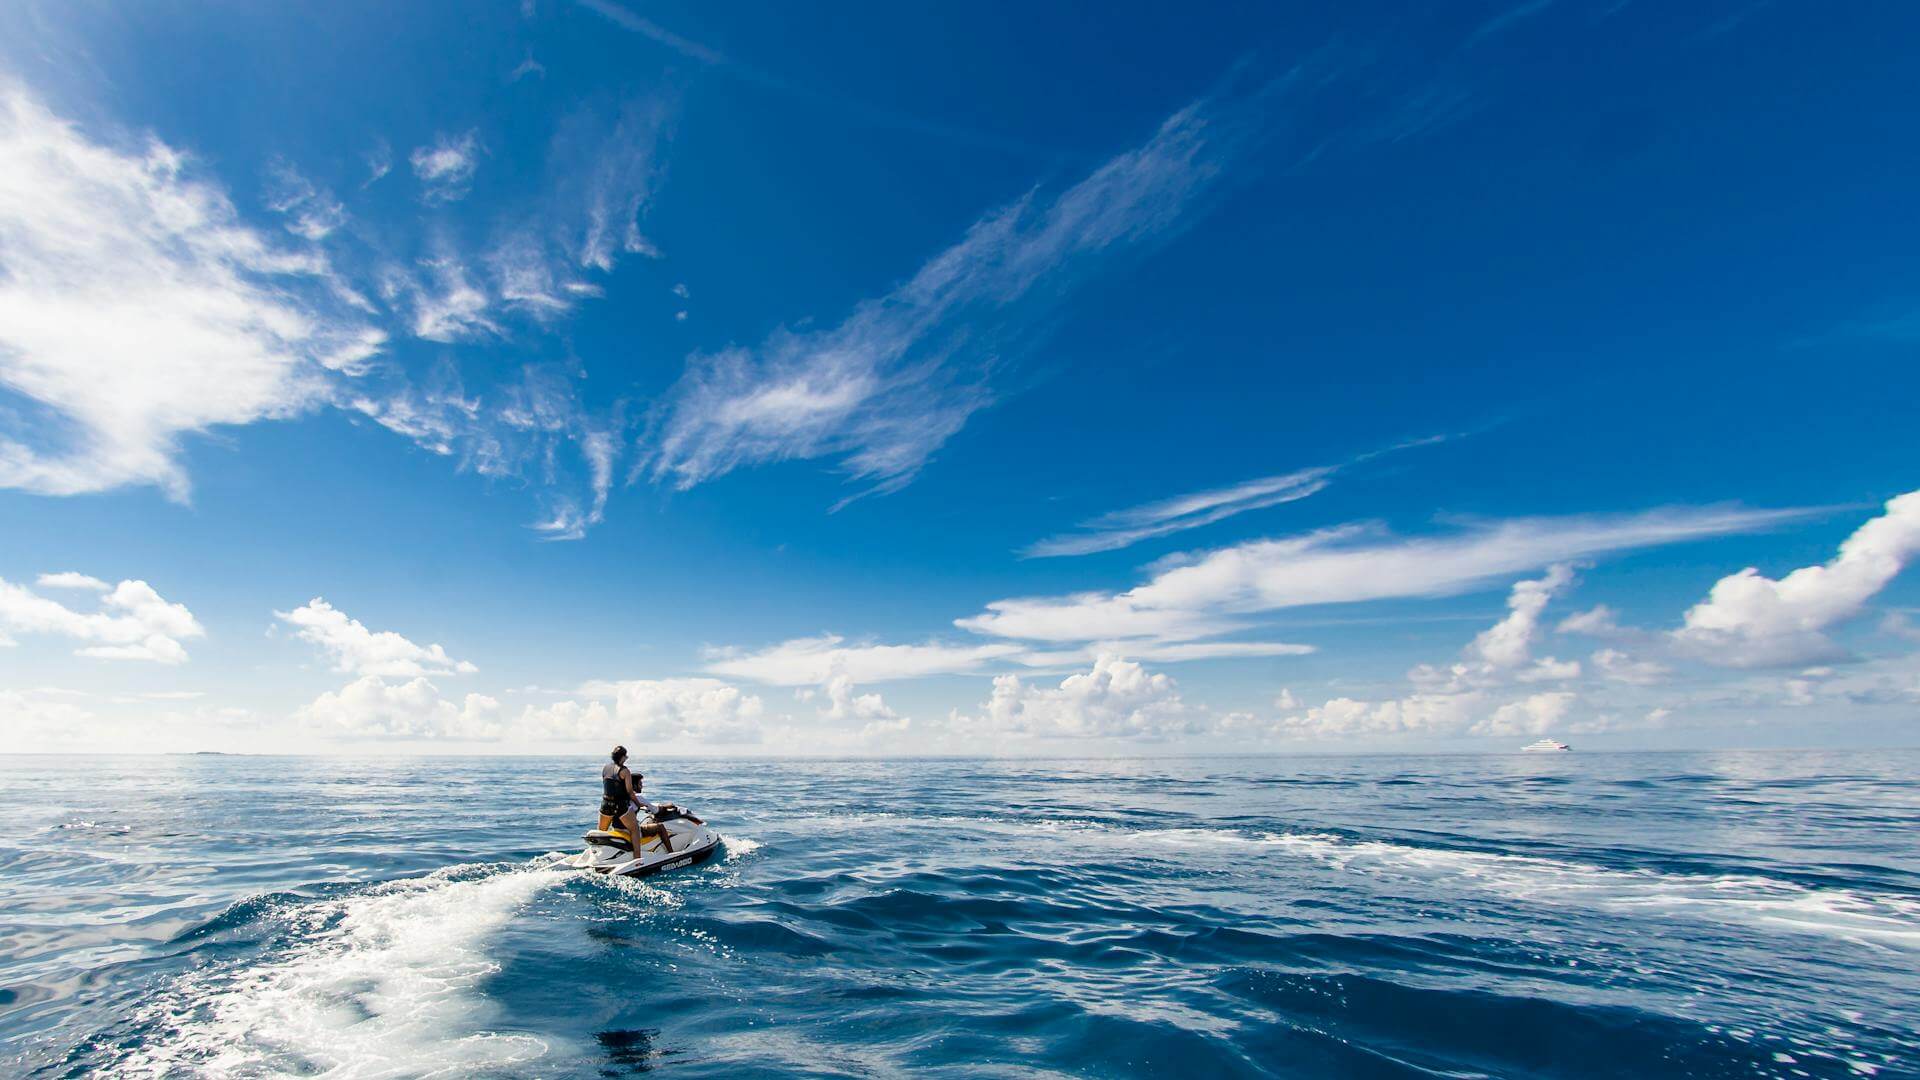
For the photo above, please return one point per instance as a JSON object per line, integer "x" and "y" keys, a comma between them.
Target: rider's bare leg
{"x": 666, "y": 838}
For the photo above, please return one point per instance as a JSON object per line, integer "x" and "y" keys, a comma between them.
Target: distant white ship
{"x": 1545, "y": 746}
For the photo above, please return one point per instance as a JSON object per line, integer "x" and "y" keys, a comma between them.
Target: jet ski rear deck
{"x": 611, "y": 851}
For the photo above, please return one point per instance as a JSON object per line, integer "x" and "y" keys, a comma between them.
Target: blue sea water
{"x": 1732, "y": 914}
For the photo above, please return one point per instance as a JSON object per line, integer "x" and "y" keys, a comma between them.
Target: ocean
{"x": 1741, "y": 914}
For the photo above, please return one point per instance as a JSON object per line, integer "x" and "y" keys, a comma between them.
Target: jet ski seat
{"x": 613, "y": 838}
{"x": 618, "y": 838}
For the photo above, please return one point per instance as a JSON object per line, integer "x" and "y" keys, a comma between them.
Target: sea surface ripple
{"x": 1725, "y": 914}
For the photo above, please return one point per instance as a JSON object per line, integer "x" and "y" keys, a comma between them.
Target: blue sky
{"x": 760, "y": 379}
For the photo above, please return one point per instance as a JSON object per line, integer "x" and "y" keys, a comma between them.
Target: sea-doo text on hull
{"x": 611, "y": 851}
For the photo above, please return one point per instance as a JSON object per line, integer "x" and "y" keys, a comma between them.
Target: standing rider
{"x": 618, "y": 799}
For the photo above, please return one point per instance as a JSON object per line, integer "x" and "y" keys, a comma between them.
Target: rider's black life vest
{"x": 613, "y": 790}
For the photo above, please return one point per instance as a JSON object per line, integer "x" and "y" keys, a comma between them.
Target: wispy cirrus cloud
{"x": 379, "y": 160}
{"x": 68, "y": 579}
{"x": 642, "y": 25}
{"x": 312, "y": 212}
{"x": 528, "y": 67}
{"x": 136, "y": 308}
{"x": 1509, "y": 18}
{"x": 1159, "y": 651}
{"x": 866, "y": 111}
{"x": 1216, "y": 592}
{"x": 570, "y": 520}
{"x": 444, "y": 302}
{"x": 817, "y": 660}
{"x": 900, "y": 375}
{"x": 445, "y": 167}
{"x": 529, "y": 426}
{"x": 602, "y": 165}
{"x": 540, "y": 262}
{"x": 1124, "y": 528}
{"x": 603, "y": 168}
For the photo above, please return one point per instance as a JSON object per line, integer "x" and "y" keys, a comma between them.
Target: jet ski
{"x": 611, "y": 851}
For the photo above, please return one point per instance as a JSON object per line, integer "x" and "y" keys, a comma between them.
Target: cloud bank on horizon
{"x": 873, "y": 423}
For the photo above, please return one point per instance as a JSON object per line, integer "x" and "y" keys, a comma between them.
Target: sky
{"x": 985, "y": 379}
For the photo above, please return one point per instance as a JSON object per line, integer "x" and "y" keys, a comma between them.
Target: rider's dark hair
{"x": 619, "y": 754}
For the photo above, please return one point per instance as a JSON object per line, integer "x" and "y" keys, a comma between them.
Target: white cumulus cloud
{"x": 371, "y": 707}
{"x": 1456, "y": 699}
{"x": 361, "y": 651}
{"x": 134, "y": 622}
{"x": 1509, "y": 642}
{"x": 704, "y": 710}
{"x": 1623, "y": 667}
{"x": 1750, "y": 620}
{"x": 1117, "y": 698}
{"x": 1599, "y": 621}
{"x": 1419, "y": 713}
{"x": 839, "y": 702}
{"x": 1532, "y": 715}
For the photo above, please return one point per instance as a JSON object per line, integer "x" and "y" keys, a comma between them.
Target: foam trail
{"x": 378, "y": 984}
{"x": 1881, "y": 919}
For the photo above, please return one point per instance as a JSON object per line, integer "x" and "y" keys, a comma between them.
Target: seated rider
{"x": 620, "y": 800}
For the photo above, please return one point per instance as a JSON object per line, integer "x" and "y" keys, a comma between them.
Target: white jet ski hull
{"x": 609, "y": 852}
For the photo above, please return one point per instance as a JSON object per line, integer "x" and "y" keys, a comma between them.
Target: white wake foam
{"x": 1877, "y": 919}
{"x": 380, "y": 984}
{"x": 1874, "y": 918}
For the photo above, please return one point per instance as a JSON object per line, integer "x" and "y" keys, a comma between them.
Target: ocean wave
{"x": 974, "y": 919}
{"x": 383, "y": 982}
